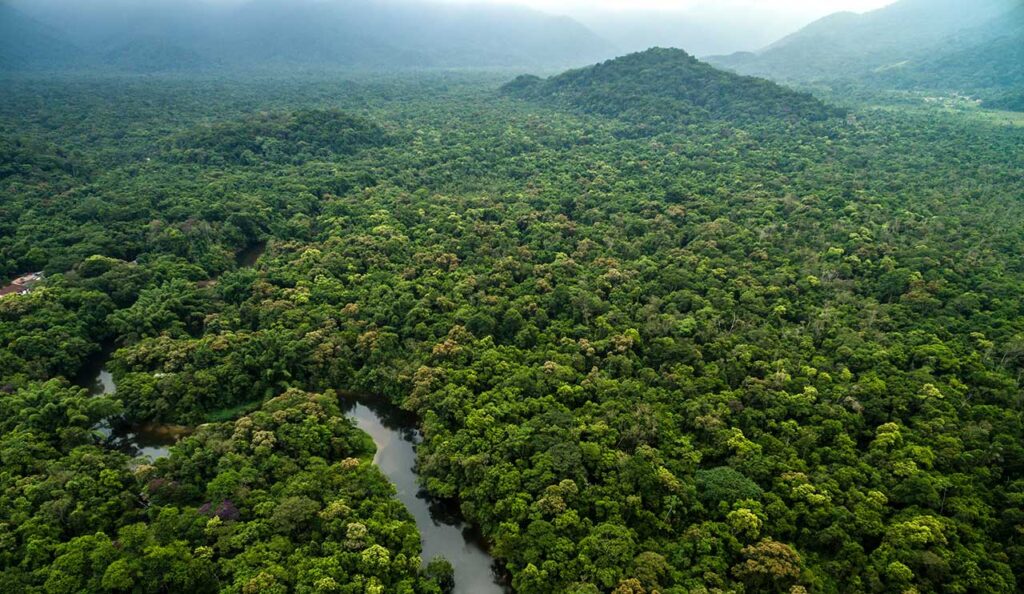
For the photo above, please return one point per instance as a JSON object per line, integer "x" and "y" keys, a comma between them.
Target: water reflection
{"x": 103, "y": 384}
{"x": 145, "y": 440}
{"x": 440, "y": 524}
{"x": 443, "y": 531}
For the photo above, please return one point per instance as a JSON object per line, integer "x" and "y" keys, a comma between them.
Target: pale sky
{"x": 811, "y": 7}
{"x": 703, "y": 27}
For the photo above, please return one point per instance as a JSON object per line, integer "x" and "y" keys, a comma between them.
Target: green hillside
{"x": 28, "y": 44}
{"x": 668, "y": 86}
{"x": 846, "y": 44}
{"x": 938, "y": 45}
{"x": 987, "y": 59}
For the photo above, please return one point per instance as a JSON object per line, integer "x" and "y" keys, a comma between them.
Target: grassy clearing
{"x": 230, "y": 414}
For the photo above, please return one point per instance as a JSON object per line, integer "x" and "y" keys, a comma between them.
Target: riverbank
{"x": 443, "y": 531}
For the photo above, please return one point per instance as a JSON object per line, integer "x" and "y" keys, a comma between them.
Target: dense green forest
{"x": 661, "y": 88}
{"x": 655, "y": 341}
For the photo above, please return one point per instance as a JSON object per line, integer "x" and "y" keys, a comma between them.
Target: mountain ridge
{"x": 933, "y": 44}
{"x": 27, "y": 44}
{"x": 305, "y": 33}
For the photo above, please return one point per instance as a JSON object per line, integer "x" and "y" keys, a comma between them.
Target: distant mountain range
{"x": 27, "y": 44}
{"x": 988, "y": 58}
{"x": 165, "y": 35}
{"x": 972, "y": 46}
{"x": 662, "y": 87}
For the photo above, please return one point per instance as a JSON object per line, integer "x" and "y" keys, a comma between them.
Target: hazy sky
{"x": 815, "y": 7}
{"x": 703, "y": 27}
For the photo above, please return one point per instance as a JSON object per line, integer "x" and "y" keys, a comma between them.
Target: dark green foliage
{"x": 281, "y": 500}
{"x": 279, "y": 138}
{"x": 668, "y": 86}
{"x": 1009, "y": 102}
{"x": 724, "y": 484}
{"x": 51, "y": 332}
{"x": 33, "y": 162}
{"x": 746, "y": 355}
{"x": 440, "y": 570}
{"x": 31, "y": 173}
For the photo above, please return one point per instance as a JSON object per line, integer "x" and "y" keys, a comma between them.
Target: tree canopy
{"x": 693, "y": 353}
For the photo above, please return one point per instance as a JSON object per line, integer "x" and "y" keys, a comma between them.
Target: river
{"x": 441, "y": 527}
{"x": 145, "y": 440}
{"x": 394, "y": 432}
{"x": 440, "y": 524}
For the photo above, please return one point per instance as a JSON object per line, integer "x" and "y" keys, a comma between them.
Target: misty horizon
{"x": 700, "y": 27}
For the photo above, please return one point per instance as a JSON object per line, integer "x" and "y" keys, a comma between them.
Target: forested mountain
{"x": 28, "y": 44}
{"x": 665, "y": 86}
{"x": 988, "y": 59}
{"x": 938, "y": 44}
{"x": 268, "y": 34}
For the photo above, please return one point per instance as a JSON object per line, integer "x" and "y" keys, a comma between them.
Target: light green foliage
{"x": 260, "y": 501}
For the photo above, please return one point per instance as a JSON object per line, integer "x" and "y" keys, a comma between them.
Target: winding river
{"x": 440, "y": 524}
{"x": 394, "y": 432}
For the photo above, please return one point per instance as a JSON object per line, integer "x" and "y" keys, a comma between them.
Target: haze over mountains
{"x": 166, "y": 35}
{"x": 158, "y": 35}
{"x": 974, "y": 47}
{"x": 27, "y": 44}
{"x": 706, "y": 29}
